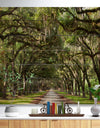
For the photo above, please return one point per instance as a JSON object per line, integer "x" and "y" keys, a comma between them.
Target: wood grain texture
{"x": 95, "y": 123}
{"x": 14, "y": 124}
{"x": 65, "y": 124}
{"x": 31, "y": 124}
{"x": 50, "y": 124}
{"x": 54, "y": 124}
{"x": 3, "y": 123}
{"x": 28, "y": 124}
{"x": 44, "y": 124}
{"x": 77, "y": 123}
{"x": 86, "y": 124}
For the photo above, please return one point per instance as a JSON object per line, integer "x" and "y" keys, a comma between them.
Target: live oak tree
{"x": 84, "y": 24}
{"x": 50, "y": 47}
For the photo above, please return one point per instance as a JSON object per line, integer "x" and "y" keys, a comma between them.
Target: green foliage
{"x": 22, "y": 99}
{"x": 96, "y": 93}
{"x": 48, "y": 43}
{"x": 77, "y": 98}
{"x": 94, "y": 82}
{"x": 71, "y": 40}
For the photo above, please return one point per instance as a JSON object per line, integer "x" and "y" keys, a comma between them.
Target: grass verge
{"x": 77, "y": 98}
{"x": 24, "y": 99}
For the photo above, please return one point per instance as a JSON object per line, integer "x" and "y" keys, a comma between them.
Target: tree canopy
{"x": 43, "y": 48}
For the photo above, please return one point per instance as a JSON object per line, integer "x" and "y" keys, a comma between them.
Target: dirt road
{"x": 52, "y": 96}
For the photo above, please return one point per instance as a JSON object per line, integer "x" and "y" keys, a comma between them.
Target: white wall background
{"x": 49, "y": 3}
{"x": 26, "y": 109}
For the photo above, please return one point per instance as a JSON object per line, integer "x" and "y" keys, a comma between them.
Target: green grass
{"x": 24, "y": 99}
{"x": 78, "y": 98}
